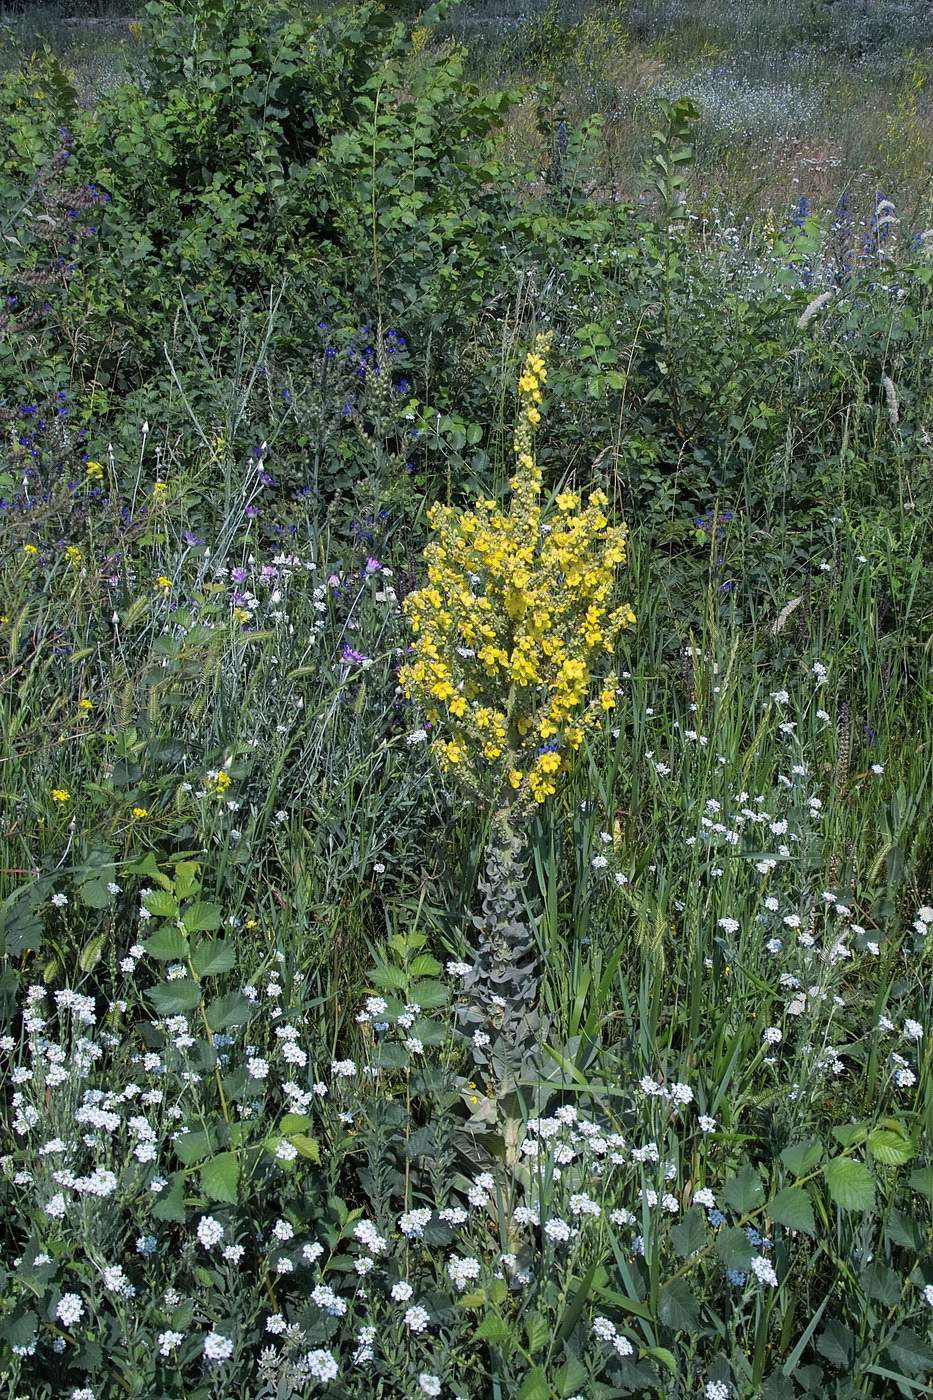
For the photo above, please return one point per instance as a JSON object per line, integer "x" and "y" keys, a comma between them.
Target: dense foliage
{"x": 332, "y": 1069}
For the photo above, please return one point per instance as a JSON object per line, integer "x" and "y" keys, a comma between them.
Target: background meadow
{"x": 269, "y": 279}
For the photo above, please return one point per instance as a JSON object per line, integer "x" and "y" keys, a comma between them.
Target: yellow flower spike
{"x": 94, "y": 471}
{"x": 507, "y": 631}
{"x": 159, "y": 489}
{"x": 73, "y": 554}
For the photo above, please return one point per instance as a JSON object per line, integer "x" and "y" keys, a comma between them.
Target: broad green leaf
{"x": 20, "y": 1329}
{"x": 848, "y": 1134}
{"x": 491, "y": 1329}
{"x": 167, "y": 944}
{"x": 201, "y": 917}
{"x": 424, "y": 966}
{"x": 744, "y": 1191}
{"x": 800, "y": 1157}
{"x": 881, "y": 1283}
{"x": 211, "y": 957}
{"x": 890, "y": 1147}
{"x": 219, "y": 1177}
{"x": 191, "y": 1147}
{"x": 390, "y": 978}
{"x": 170, "y": 1204}
{"x": 677, "y": 1307}
{"x": 429, "y": 995}
{"x": 175, "y": 998}
{"x": 690, "y": 1234}
{"x": 535, "y": 1386}
{"x": 161, "y": 904}
{"x": 910, "y": 1352}
{"x": 538, "y": 1331}
{"x": 922, "y": 1180}
{"x": 793, "y": 1209}
{"x": 307, "y": 1146}
{"x": 95, "y": 894}
{"x": 666, "y": 1358}
{"x": 851, "y": 1184}
{"x": 294, "y": 1123}
{"x": 837, "y": 1344}
{"x": 230, "y": 1010}
{"x": 734, "y": 1249}
{"x": 571, "y": 1377}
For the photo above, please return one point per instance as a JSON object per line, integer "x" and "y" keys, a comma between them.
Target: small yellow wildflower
{"x": 160, "y": 488}
{"x": 242, "y": 615}
{"x": 568, "y": 500}
{"x": 94, "y": 471}
{"x": 515, "y": 777}
{"x": 73, "y": 554}
{"x": 30, "y": 549}
{"x": 222, "y": 781}
{"x": 163, "y": 583}
{"x": 61, "y": 795}
{"x": 85, "y": 704}
{"x": 140, "y": 813}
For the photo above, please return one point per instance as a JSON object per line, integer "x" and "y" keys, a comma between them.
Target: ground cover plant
{"x": 466, "y": 910}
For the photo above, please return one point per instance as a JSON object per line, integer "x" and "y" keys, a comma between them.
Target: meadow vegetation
{"x": 466, "y": 909}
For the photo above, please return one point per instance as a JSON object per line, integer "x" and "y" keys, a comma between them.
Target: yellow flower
{"x": 61, "y": 795}
{"x": 30, "y": 549}
{"x": 160, "y": 488}
{"x": 73, "y": 554}
{"x": 140, "y": 813}
{"x": 242, "y": 614}
{"x": 512, "y": 621}
{"x": 221, "y": 781}
{"x": 85, "y": 704}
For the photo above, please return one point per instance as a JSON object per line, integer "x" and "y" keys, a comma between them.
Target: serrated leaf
{"x": 429, "y": 995}
{"x": 690, "y": 1234}
{"x": 191, "y": 1147}
{"x": 294, "y": 1123}
{"x": 535, "y": 1386}
{"x": 20, "y": 1329}
{"x": 793, "y": 1209}
{"x": 851, "y": 1185}
{"x": 922, "y": 1180}
{"x": 890, "y": 1147}
{"x": 571, "y": 1377}
{"x": 161, "y": 904}
{"x": 231, "y": 1009}
{"x": 881, "y": 1283}
{"x": 910, "y": 1352}
{"x": 848, "y": 1134}
{"x": 95, "y": 894}
{"x": 424, "y": 966}
{"x": 175, "y": 998}
{"x": 538, "y": 1331}
{"x": 837, "y": 1344}
{"x": 219, "y": 1177}
{"x": 800, "y": 1157}
{"x": 744, "y": 1191}
{"x": 201, "y": 917}
{"x": 491, "y": 1329}
{"x": 212, "y": 956}
{"x": 167, "y": 944}
{"x": 388, "y": 978}
{"x": 170, "y": 1204}
{"x": 734, "y": 1249}
{"x": 307, "y": 1146}
{"x": 677, "y": 1307}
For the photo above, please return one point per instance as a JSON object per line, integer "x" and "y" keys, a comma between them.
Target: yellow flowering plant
{"x": 513, "y": 622}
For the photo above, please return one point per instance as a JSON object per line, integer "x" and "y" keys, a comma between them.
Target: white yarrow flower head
{"x": 763, "y": 1270}
{"x": 428, "y": 1384}
{"x": 773, "y": 1035}
{"x": 210, "y": 1231}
